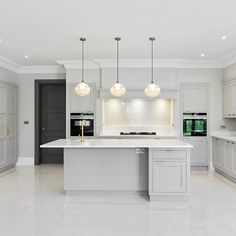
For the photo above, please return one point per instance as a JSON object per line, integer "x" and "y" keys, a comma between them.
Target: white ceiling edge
{"x": 9, "y": 64}
{"x": 124, "y": 63}
{"x": 41, "y": 69}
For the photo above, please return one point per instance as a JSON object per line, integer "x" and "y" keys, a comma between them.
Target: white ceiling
{"x": 49, "y": 30}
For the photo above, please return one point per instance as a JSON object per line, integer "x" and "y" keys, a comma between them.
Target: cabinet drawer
{"x": 168, "y": 154}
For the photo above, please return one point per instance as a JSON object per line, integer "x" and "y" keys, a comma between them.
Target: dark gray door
{"x": 52, "y": 120}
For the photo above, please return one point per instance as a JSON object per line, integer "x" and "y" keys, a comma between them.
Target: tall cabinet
{"x": 8, "y": 125}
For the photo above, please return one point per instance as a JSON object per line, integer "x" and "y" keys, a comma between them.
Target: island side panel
{"x": 105, "y": 169}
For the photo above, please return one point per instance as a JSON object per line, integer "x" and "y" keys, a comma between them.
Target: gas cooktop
{"x": 137, "y": 133}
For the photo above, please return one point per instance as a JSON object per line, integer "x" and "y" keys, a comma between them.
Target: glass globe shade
{"x": 152, "y": 90}
{"x": 118, "y": 90}
{"x": 82, "y": 89}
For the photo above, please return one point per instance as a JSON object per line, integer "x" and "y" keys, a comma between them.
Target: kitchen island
{"x": 158, "y": 168}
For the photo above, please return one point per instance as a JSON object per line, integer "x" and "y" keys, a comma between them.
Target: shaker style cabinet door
{"x": 198, "y": 154}
{"x": 8, "y": 125}
{"x": 169, "y": 177}
{"x": 194, "y": 98}
{"x": 229, "y": 99}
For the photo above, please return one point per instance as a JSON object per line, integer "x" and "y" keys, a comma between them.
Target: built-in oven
{"x": 79, "y": 119}
{"x": 194, "y": 124}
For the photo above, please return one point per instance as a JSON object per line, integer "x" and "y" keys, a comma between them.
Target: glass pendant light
{"x": 152, "y": 89}
{"x": 82, "y": 89}
{"x": 117, "y": 89}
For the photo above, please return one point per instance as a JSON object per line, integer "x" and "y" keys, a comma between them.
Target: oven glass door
{"x": 194, "y": 127}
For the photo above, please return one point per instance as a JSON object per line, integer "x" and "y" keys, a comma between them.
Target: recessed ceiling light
{"x": 223, "y": 37}
{"x": 0, "y": 40}
{"x": 202, "y": 55}
{"x": 26, "y": 56}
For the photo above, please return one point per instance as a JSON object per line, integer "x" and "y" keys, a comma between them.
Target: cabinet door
{"x": 2, "y": 100}
{"x": 198, "y": 154}
{"x": 228, "y": 157}
{"x": 194, "y": 98}
{"x": 218, "y": 153}
{"x": 80, "y": 104}
{"x": 2, "y": 152}
{"x": 234, "y": 158}
{"x": 227, "y": 100}
{"x": 11, "y": 100}
{"x": 169, "y": 177}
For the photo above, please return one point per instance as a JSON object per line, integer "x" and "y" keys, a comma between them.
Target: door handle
{"x": 8, "y": 130}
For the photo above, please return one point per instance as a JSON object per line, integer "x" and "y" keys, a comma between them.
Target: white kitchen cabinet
{"x": 224, "y": 156}
{"x": 194, "y": 98}
{"x": 169, "y": 177}
{"x": 198, "y": 154}
{"x": 168, "y": 172}
{"x": 229, "y": 99}
{"x": 228, "y": 156}
{"x": 79, "y": 104}
{"x": 8, "y": 125}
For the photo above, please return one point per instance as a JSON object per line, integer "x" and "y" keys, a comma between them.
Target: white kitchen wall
{"x": 137, "y": 112}
{"x": 26, "y": 113}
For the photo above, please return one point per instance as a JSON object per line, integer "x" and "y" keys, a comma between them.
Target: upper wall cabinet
{"x": 229, "y": 99}
{"x": 80, "y": 104}
{"x": 194, "y": 97}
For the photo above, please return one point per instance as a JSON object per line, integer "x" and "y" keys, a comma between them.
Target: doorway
{"x": 50, "y": 119}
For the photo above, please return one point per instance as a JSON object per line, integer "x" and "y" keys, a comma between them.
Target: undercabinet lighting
{"x": 224, "y": 37}
{"x": 202, "y": 55}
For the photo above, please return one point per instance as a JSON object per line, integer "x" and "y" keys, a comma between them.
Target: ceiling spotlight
{"x": 202, "y": 55}
{"x": 0, "y": 40}
{"x": 224, "y": 37}
{"x": 26, "y": 56}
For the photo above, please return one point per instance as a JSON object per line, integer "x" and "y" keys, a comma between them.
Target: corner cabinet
{"x": 224, "y": 157}
{"x": 80, "y": 104}
{"x": 8, "y": 125}
{"x": 229, "y": 99}
{"x": 169, "y": 173}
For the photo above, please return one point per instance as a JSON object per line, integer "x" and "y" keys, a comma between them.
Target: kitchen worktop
{"x": 227, "y": 135}
{"x": 117, "y": 143}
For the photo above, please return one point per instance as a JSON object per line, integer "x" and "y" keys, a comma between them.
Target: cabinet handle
{"x": 217, "y": 139}
{"x": 229, "y": 114}
{"x": 169, "y": 150}
{"x": 228, "y": 141}
{"x": 233, "y": 142}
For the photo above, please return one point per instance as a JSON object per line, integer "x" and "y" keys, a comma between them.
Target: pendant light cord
{"x": 117, "y": 58}
{"x": 152, "y": 53}
{"x": 82, "y": 40}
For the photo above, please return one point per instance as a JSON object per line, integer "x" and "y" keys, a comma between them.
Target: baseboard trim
{"x": 25, "y": 161}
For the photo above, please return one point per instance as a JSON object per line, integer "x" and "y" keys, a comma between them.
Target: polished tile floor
{"x": 32, "y": 202}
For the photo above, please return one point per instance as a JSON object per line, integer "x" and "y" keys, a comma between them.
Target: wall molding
{"x": 63, "y": 65}
{"x": 25, "y": 161}
{"x": 8, "y": 64}
{"x": 41, "y": 69}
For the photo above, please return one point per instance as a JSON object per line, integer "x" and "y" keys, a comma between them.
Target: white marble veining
{"x": 32, "y": 203}
{"x": 117, "y": 143}
{"x": 228, "y": 135}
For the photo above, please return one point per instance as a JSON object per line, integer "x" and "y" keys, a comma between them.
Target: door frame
{"x": 37, "y": 85}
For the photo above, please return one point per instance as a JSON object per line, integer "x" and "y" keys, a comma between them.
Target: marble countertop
{"x": 227, "y": 135}
{"x": 118, "y": 143}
